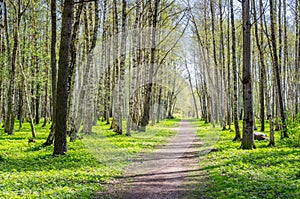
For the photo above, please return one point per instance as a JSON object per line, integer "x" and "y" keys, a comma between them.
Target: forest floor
{"x": 169, "y": 172}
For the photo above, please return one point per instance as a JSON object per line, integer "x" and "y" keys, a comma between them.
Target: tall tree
{"x": 259, "y": 43}
{"x": 235, "y": 80}
{"x": 146, "y": 111}
{"x": 121, "y": 85}
{"x": 50, "y": 138}
{"x": 248, "y": 125}
{"x": 60, "y": 141}
{"x": 19, "y": 9}
{"x": 135, "y": 62}
{"x": 277, "y": 70}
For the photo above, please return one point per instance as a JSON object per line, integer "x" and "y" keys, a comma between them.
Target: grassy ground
{"x": 30, "y": 171}
{"x": 234, "y": 173}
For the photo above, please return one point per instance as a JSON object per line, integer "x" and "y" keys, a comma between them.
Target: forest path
{"x": 171, "y": 171}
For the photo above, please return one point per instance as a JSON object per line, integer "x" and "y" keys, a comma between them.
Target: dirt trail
{"x": 168, "y": 172}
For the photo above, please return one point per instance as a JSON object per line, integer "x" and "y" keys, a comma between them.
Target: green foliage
{"x": 29, "y": 170}
{"x": 293, "y": 131}
{"x": 261, "y": 173}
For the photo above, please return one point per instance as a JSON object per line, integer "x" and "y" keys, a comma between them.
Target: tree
{"x": 135, "y": 62}
{"x": 19, "y": 9}
{"x": 277, "y": 70}
{"x": 259, "y": 43}
{"x": 50, "y": 138}
{"x": 235, "y": 80}
{"x": 60, "y": 141}
{"x": 146, "y": 111}
{"x": 248, "y": 125}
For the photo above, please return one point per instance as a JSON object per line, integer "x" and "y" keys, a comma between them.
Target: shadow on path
{"x": 169, "y": 172}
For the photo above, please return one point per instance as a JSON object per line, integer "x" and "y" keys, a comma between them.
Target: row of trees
{"x": 260, "y": 53}
{"x": 130, "y": 60}
{"x": 114, "y": 59}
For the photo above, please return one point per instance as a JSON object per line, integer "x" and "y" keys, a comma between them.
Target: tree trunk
{"x": 121, "y": 85}
{"x": 88, "y": 122}
{"x": 72, "y": 71}
{"x": 222, "y": 69}
{"x": 271, "y": 120}
{"x": 13, "y": 63}
{"x": 235, "y": 80}
{"x": 259, "y": 43}
{"x": 229, "y": 97}
{"x": 116, "y": 69}
{"x": 50, "y": 137}
{"x": 102, "y": 80}
{"x": 276, "y": 70}
{"x": 135, "y": 61}
{"x": 248, "y": 138}
{"x": 216, "y": 101}
{"x": 146, "y": 109}
{"x": 60, "y": 141}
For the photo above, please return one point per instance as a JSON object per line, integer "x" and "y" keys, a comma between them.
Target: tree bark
{"x": 121, "y": 85}
{"x": 259, "y": 43}
{"x": 276, "y": 70}
{"x": 50, "y": 137}
{"x": 9, "y": 128}
{"x": 88, "y": 123}
{"x": 248, "y": 125}
{"x": 60, "y": 142}
{"x": 235, "y": 80}
{"x": 146, "y": 109}
{"x": 135, "y": 61}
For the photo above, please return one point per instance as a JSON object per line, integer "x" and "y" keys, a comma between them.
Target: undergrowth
{"x": 265, "y": 172}
{"x": 28, "y": 170}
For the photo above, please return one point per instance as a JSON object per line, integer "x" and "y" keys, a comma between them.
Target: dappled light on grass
{"x": 29, "y": 170}
{"x": 266, "y": 172}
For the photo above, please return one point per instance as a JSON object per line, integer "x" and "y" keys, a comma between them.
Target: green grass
{"x": 30, "y": 171}
{"x": 260, "y": 173}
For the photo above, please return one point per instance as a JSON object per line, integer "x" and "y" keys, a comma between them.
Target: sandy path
{"x": 168, "y": 172}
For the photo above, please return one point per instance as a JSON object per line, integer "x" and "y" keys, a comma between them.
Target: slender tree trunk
{"x": 102, "y": 79}
{"x": 259, "y": 43}
{"x": 46, "y": 99}
{"x": 116, "y": 68}
{"x": 271, "y": 120}
{"x": 50, "y": 137}
{"x": 36, "y": 73}
{"x": 146, "y": 109}
{"x": 47, "y": 75}
{"x": 285, "y": 51}
{"x": 222, "y": 69}
{"x": 135, "y": 61}
{"x": 216, "y": 102}
{"x": 235, "y": 80}
{"x": 121, "y": 85}
{"x": 87, "y": 127}
{"x": 248, "y": 125}
{"x": 72, "y": 72}
{"x": 229, "y": 97}
{"x": 13, "y": 63}
{"x": 60, "y": 141}
{"x": 276, "y": 69}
